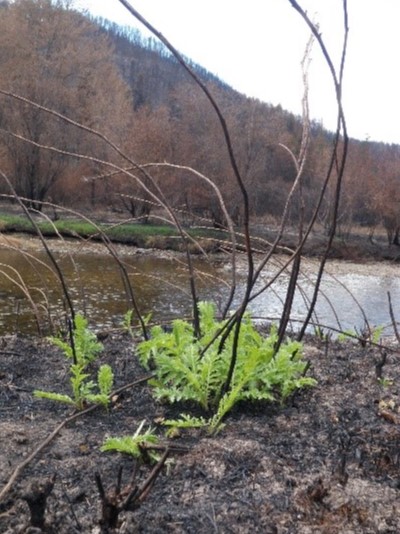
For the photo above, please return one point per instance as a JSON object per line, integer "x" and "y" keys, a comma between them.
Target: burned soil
{"x": 326, "y": 462}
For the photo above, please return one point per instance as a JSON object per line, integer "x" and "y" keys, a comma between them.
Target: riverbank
{"x": 355, "y": 247}
{"x": 327, "y": 462}
{"x": 118, "y": 231}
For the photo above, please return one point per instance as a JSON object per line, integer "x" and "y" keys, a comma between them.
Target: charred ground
{"x": 327, "y": 462}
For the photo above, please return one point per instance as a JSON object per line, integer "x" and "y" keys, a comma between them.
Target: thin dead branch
{"x": 392, "y": 318}
{"x": 76, "y": 415}
{"x": 118, "y": 499}
{"x": 338, "y": 160}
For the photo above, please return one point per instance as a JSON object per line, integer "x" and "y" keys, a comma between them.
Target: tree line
{"x": 111, "y": 80}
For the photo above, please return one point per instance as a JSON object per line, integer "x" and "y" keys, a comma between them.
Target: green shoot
{"x": 185, "y": 421}
{"x": 105, "y": 380}
{"x": 346, "y": 334}
{"x": 86, "y": 350}
{"x": 139, "y": 445}
{"x": 320, "y": 333}
{"x": 385, "y": 382}
{"x": 87, "y": 347}
{"x": 377, "y": 333}
{"x": 127, "y": 322}
{"x": 185, "y": 373}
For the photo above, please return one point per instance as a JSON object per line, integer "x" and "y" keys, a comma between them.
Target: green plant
{"x": 84, "y": 350}
{"x": 190, "y": 369}
{"x": 185, "y": 421}
{"x": 346, "y": 334}
{"x": 365, "y": 336}
{"x": 139, "y": 445}
{"x": 376, "y": 334}
{"x": 127, "y": 322}
{"x": 321, "y": 334}
{"x": 385, "y": 382}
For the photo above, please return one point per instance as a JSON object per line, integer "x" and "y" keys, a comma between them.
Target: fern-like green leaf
{"x": 133, "y": 445}
{"x": 59, "y": 397}
{"x": 86, "y": 349}
{"x": 105, "y": 379}
{"x": 185, "y": 421}
{"x": 196, "y": 369}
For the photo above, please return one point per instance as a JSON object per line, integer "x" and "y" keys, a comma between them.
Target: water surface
{"x": 350, "y": 293}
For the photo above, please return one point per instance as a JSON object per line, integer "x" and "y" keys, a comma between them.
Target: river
{"x": 350, "y": 293}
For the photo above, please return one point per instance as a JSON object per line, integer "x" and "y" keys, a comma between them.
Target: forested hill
{"x": 151, "y": 70}
{"x": 370, "y": 194}
{"x": 129, "y": 89}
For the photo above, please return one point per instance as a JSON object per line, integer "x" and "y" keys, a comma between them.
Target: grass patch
{"x": 140, "y": 235}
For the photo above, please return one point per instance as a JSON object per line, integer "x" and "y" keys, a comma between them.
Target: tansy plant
{"x": 139, "y": 445}
{"x": 85, "y": 350}
{"x": 190, "y": 369}
{"x": 367, "y": 335}
{"x": 127, "y": 322}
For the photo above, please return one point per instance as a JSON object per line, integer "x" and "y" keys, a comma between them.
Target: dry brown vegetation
{"x": 155, "y": 112}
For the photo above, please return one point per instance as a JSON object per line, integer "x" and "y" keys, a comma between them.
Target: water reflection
{"x": 96, "y": 287}
{"x": 160, "y": 285}
{"x": 346, "y": 300}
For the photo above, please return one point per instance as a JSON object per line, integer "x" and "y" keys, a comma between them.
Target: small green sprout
{"x": 385, "y": 382}
{"x": 86, "y": 349}
{"x": 127, "y": 322}
{"x": 185, "y": 421}
{"x": 139, "y": 445}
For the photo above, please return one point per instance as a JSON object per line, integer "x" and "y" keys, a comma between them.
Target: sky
{"x": 256, "y": 46}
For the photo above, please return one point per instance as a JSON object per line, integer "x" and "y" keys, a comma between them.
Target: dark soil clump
{"x": 327, "y": 462}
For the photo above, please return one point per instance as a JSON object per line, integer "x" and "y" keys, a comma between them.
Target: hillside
{"x": 150, "y": 69}
{"x": 155, "y": 113}
{"x": 371, "y": 179}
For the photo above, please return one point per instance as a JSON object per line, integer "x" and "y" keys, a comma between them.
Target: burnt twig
{"x": 18, "y": 470}
{"x": 118, "y": 499}
{"x": 36, "y": 497}
{"x": 394, "y": 324}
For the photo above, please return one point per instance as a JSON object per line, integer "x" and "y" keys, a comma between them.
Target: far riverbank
{"x": 100, "y": 227}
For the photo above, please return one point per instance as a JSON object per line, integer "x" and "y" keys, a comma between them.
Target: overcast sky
{"x": 256, "y": 46}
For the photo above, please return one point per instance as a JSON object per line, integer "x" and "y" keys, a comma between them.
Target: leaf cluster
{"x": 191, "y": 369}
{"x": 368, "y": 335}
{"x": 84, "y": 350}
{"x": 138, "y": 445}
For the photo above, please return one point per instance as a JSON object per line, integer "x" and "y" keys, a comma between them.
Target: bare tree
{"x": 53, "y": 56}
